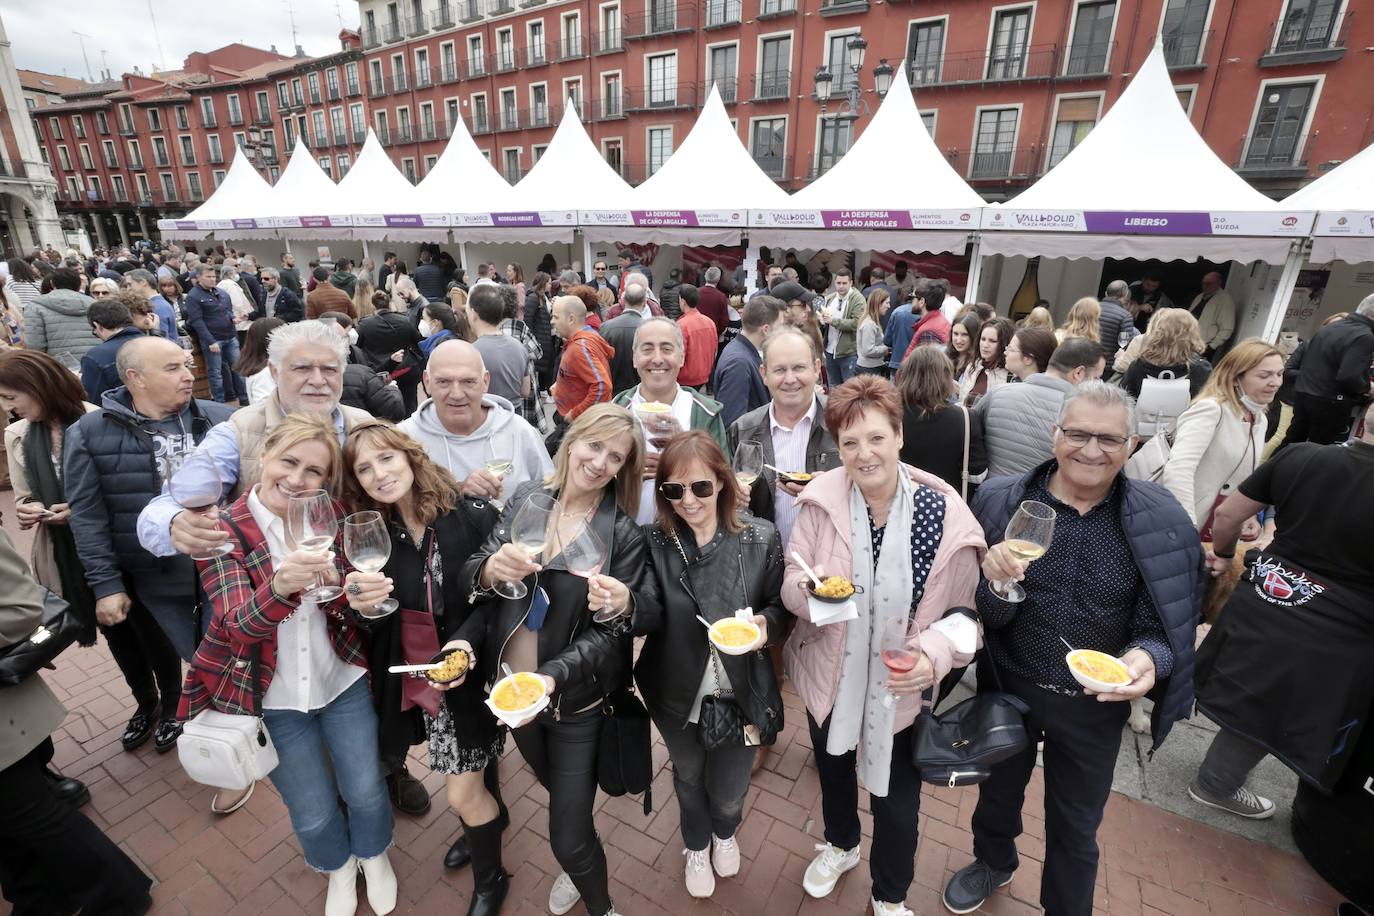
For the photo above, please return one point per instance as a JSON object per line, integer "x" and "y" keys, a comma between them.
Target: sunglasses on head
{"x": 701, "y": 489}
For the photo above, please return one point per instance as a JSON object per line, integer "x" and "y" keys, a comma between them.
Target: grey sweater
{"x": 1018, "y": 423}
{"x": 56, "y": 321}
{"x": 872, "y": 352}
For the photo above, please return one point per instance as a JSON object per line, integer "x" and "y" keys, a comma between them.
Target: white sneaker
{"x": 381, "y": 883}
{"x": 825, "y": 870}
{"x": 699, "y": 879}
{"x": 563, "y": 896}
{"x": 883, "y": 908}
{"x": 342, "y": 897}
{"x": 725, "y": 856}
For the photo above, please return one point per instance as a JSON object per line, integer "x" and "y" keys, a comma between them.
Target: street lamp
{"x": 851, "y": 104}
{"x": 255, "y": 145}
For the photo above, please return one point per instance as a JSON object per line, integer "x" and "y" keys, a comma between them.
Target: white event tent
{"x": 893, "y": 190}
{"x": 701, "y": 196}
{"x": 234, "y": 205}
{"x": 305, "y": 202}
{"x": 1344, "y": 198}
{"x": 468, "y": 188}
{"x": 382, "y": 203}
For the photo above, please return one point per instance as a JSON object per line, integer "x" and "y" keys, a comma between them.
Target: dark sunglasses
{"x": 701, "y": 489}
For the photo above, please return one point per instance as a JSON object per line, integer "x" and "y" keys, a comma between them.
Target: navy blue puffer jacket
{"x": 1167, "y": 553}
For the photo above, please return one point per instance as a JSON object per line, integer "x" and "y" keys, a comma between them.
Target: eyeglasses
{"x": 599, "y": 267}
{"x": 1108, "y": 443}
{"x": 701, "y": 489}
{"x": 99, "y": 293}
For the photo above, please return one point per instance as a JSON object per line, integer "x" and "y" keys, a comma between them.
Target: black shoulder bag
{"x": 59, "y": 629}
{"x": 625, "y": 761}
{"x": 960, "y": 746}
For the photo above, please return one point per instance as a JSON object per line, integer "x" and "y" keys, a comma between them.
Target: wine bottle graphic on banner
{"x": 1028, "y": 293}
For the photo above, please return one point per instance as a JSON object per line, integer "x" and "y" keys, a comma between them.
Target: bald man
{"x": 462, "y": 425}
{"x": 584, "y": 374}
{"x": 1215, "y": 312}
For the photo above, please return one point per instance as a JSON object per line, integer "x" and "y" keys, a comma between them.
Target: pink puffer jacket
{"x": 821, "y": 536}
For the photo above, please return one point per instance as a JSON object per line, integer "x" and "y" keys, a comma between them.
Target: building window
{"x": 539, "y": 105}
{"x": 154, "y": 119}
{"x": 510, "y": 116}
{"x": 188, "y": 151}
{"x": 383, "y": 129}
{"x": 512, "y": 163}
{"x": 111, "y": 156}
{"x": 662, "y": 16}
{"x": 317, "y": 127}
{"x": 87, "y": 160}
{"x": 427, "y": 121}
{"x": 1092, "y": 37}
{"x": 422, "y": 67}
{"x": 55, "y": 128}
{"x": 169, "y": 186}
{"x": 722, "y": 12}
{"x": 430, "y": 163}
{"x": 572, "y": 91}
{"x": 660, "y": 148}
{"x": 1072, "y": 122}
{"x": 135, "y": 155}
{"x": 283, "y": 96}
{"x": 1277, "y": 138}
{"x": 357, "y": 121}
{"x": 121, "y": 191}
{"x": 450, "y": 116}
{"x": 837, "y": 61}
{"x": 160, "y": 156}
{"x": 995, "y": 143}
{"x": 722, "y": 70}
{"x": 475, "y": 63}
{"x": 327, "y": 166}
{"x": 1182, "y": 32}
{"x": 331, "y": 82}
{"x": 536, "y": 41}
{"x": 572, "y": 35}
{"x": 505, "y": 49}
{"x": 344, "y": 164}
{"x": 296, "y": 95}
{"x": 610, "y": 28}
{"x": 612, "y": 152}
{"x": 928, "y": 119}
{"x": 1010, "y": 42}
{"x": 97, "y": 193}
{"x": 216, "y": 153}
{"x": 408, "y": 169}
{"x": 398, "y": 72}
{"x": 611, "y": 95}
{"x": 925, "y": 51}
{"x": 314, "y": 81}
{"x": 662, "y": 80}
{"x": 1308, "y": 25}
{"x": 235, "y": 112}
{"x": 102, "y": 123}
{"x": 207, "y": 112}
{"x": 193, "y": 185}
{"x": 145, "y": 190}
{"x": 836, "y": 136}
{"x": 336, "y": 124}
{"x": 1185, "y": 97}
{"x": 768, "y": 143}
{"x": 79, "y": 127}
{"x": 264, "y": 108}
{"x": 217, "y": 176}
{"x": 775, "y": 68}
{"x": 448, "y": 62}
{"x": 480, "y": 123}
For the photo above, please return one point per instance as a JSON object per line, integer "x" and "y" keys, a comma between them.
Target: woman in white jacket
{"x": 868, "y": 341}
{"x": 1220, "y": 437}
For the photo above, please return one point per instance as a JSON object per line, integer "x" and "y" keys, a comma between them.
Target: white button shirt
{"x": 789, "y": 454}
{"x": 309, "y": 674}
{"x": 682, "y": 412}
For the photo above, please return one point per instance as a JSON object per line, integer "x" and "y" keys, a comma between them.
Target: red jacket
{"x": 712, "y": 303}
{"x": 584, "y": 374}
{"x": 246, "y": 613}
{"x": 931, "y": 329}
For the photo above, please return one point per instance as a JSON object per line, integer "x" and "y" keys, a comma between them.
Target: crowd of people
{"x": 568, "y": 475}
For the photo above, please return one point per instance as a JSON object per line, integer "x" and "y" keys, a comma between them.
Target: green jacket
{"x": 705, "y": 414}
{"x": 854, "y": 306}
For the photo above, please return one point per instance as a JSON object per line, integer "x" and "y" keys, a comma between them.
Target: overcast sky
{"x": 40, "y": 31}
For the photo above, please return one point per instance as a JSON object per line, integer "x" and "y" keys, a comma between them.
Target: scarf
{"x": 859, "y": 719}
{"x": 41, "y": 476}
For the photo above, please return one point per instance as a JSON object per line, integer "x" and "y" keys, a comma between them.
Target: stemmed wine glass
{"x": 312, "y": 525}
{"x": 748, "y": 463}
{"x": 1028, "y": 536}
{"x": 1124, "y": 338}
{"x": 197, "y": 487}
{"x": 367, "y": 544}
{"x": 897, "y": 653}
{"x": 499, "y": 461}
{"x": 659, "y": 426}
{"x": 584, "y": 554}
{"x": 529, "y": 532}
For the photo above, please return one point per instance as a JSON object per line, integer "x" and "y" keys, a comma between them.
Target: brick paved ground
{"x": 1153, "y": 862}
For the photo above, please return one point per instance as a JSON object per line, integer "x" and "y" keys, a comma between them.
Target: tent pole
{"x": 367, "y": 252}
{"x": 975, "y": 267}
{"x": 586, "y": 256}
{"x": 751, "y": 265}
{"x": 463, "y": 260}
{"x": 287, "y": 243}
{"x": 1288, "y": 281}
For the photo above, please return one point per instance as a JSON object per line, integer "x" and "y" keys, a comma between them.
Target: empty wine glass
{"x": 584, "y": 554}
{"x": 1028, "y": 536}
{"x": 1123, "y": 338}
{"x": 367, "y": 544}
{"x": 529, "y": 532}
{"x": 898, "y": 654}
{"x": 748, "y": 463}
{"x": 499, "y": 460}
{"x": 197, "y": 487}
{"x": 312, "y": 525}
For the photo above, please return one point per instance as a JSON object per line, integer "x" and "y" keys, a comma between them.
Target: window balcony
{"x": 235, "y": 119}
{"x": 609, "y": 107}
{"x": 340, "y": 137}
{"x": 772, "y": 85}
{"x": 263, "y": 119}
{"x": 111, "y": 162}
{"x": 424, "y": 77}
{"x": 479, "y": 124}
{"x": 352, "y": 88}
{"x": 500, "y": 8}
{"x": 126, "y": 129}
{"x": 1038, "y": 62}
{"x": 571, "y": 48}
{"x": 609, "y": 42}
{"x": 1310, "y": 39}
{"x": 1089, "y": 60}
{"x": 448, "y": 72}
{"x": 535, "y": 55}
{"x": 162, "y": 161}
{"x": 416, "y": 25}
{"x": 428, "y": 130}
{"x": 332, "y": 93}
{"x": 398, "y": 83}
{"x": 216, "y": 157}
{"x": 194, "y": 195}
{"x": 376, "y": 88}
{"x": 1273, "y": 158}
{"x": 136, "y": 163}
{"x": 722, "y": 13}
{"x": 475, "y": 67}
{"x": 778, "y": 168}
{"x": 383, "y": 133}
{"x": 442, "y": 17}
{"x": 843, "y": 7}
{"x": 727, "y": 86}
{"x": 670, "y": 97}
{"x": 1019, "y": 164}
{"x": 370, "y": 39}
{"x": 504, "y": 61}
{"x": 1187, "y": 50}
{"x": 391, "y": 32}
{"x": 469, "y": 10}
{"x": 661, "y": 19}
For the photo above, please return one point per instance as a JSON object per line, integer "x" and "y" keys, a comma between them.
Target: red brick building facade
{"x": 1279, "y": 88}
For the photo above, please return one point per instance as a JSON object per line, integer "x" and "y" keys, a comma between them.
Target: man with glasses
{"x": 1122, "y": 575}
{"x": 602, "y": 278}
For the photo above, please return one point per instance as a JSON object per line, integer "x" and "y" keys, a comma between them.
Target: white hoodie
{"x": 511, "y": 436}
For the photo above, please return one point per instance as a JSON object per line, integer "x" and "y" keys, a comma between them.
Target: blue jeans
{"x": 326, "y": 754}
{"x": 221, "y": 367}
{"x": 838, "y": 371}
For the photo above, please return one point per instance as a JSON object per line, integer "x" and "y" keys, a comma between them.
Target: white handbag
{"x": 1149, "y": 460}
{"x": 226, "y": 750}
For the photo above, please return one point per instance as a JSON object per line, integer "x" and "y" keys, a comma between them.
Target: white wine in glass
{"x": 499, "y": 462}
{"x": 367, "y": 544}
{"x": 1028, "y": 536}
{"x": 748, "y": 463}
{"x": 312, "y": 525}
{"x": 529, "y": 532}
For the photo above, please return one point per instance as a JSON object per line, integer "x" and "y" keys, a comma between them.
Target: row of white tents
{"x": 1143, "y": 184}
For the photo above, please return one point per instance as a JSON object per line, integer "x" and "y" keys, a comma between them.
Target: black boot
{"x": 490, "y": 882}
{"x": 459, "y": 854}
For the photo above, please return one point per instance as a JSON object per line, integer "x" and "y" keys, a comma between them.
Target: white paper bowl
{"x": 713, "y": 635}
{"x": 1090, "y": 682}
{"x": 513, "y": 716}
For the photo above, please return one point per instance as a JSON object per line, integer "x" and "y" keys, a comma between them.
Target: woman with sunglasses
{"x": 430, "y": 528}
{"x": 708, "y": 559}
{"x": 551, "y": 631}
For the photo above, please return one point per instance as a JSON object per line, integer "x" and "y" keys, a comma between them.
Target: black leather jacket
{"x": 744, "y": 569}
{"x": 587, "y": 660}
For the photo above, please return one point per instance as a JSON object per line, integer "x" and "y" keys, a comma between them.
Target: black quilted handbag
{"x": 59, "y": 629}
{"x": 625, "y": 764}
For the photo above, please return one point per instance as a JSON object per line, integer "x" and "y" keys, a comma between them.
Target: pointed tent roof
{"x": 465, "y": 179}
{"x": 236, "y": 203}
{"x": 305, "y": 198}
{"x": 570, "y": 176}
{"x": 1345, "y": 198}
{"x": 1166, "y": 181}
{"x": 378, "y": 196}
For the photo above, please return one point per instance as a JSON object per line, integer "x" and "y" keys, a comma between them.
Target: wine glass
{"x": 1028, "y": 536}
{"x": 584, "y": 554}
{"x": 498, "y": 461}
{"x": 312, "y": 525}
{"x": 529, "y": 532}
{"x": 659, "y": 426}
{"x": 897, "y": 653}
{"x": 190, "y": 348}
{"x": 367, "y": 544}
{"x": 1123, "y": 338}
{"x": 748, "y": 463}
{"x": 197, "y": 487}
{"x": 69, "y": 361}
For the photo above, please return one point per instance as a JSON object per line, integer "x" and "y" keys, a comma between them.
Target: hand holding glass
{"x": 1028, "y": 536}
{"x": 748, "y": 463}
{"x": 529, "y": 533}
{"x": 367, "y": 544}
{"x": 498, "y": 461}
{"x": 584, "y": 554}
{"x": 197, "y": 487}
{"x": 897, "y": 652}
{"x": 312, "y": 525}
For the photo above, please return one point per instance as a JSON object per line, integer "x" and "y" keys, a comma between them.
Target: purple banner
{"x": 664, "y": 217}
{"x": 187, "y": 224}
{"x": 1148, "y": 223}
{"x": 866, "y": 219}
{"x": 315, "y": 222}
{"x": 408, "y": 220}
{"x": 245, "y": 224}
{"x": 516, "y": 219}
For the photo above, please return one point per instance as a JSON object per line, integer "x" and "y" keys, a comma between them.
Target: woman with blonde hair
{"x": 1172, "y": 343}
{"x": 872, "y": 352}
{"x": 362, "y": 297}
{"x": 1039, "y": 318}
{"x": 1085, "y": 317}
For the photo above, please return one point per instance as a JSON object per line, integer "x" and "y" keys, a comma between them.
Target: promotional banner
{"x": 666, "y": 218}
{"x": 402, "y": 220}
{"x": 516, "y": 218}
{"x": 1118, "y": 222}
{"x": 865, "y": 219}
{"x": 1350, "y": 223}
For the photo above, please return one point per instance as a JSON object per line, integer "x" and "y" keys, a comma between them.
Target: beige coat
{"x": 31, "y": 712}
{"x": 1214, "y": 450}
{"x": 1218, "y": 318}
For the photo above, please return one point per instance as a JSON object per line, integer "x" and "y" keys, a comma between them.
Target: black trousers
{"x": 1320, "y": 420}
{"x": 52, "y": 858}
{"x": 1082, "y": 737}
{"x": 892, "y": 858}
{"x": 145, "y": 656}
{"x": 563, "y": 756}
